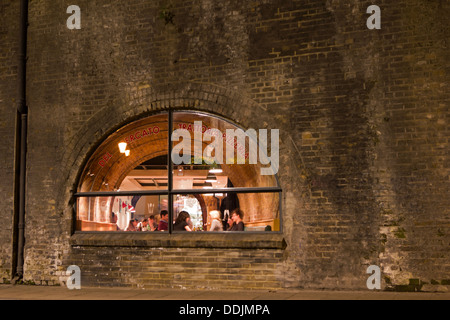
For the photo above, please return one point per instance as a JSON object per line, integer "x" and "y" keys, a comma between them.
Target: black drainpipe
{"x": 21, "y": 142}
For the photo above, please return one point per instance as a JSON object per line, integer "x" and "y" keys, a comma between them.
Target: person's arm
{"x": 240, "y": 226}
{"x": 187, "y": 228}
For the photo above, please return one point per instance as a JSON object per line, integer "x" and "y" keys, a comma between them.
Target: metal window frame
{"x": 170, "y": 192}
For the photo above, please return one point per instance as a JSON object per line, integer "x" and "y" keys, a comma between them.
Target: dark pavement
{"x": 23, "y": 292}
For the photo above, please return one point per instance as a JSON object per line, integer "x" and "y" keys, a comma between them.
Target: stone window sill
{"x": 180, "y": 240}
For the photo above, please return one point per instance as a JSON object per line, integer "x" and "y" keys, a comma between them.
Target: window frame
{"x": 171, "y": 192}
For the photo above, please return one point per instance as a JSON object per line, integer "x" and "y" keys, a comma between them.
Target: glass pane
{"x": 134, "y": 158}
{"x": 211, "y": 153}
{"x": 125, "y": 213}
{"x": 258, "y": 212}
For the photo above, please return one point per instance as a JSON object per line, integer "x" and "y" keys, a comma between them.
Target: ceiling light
{"x": 213, "y": 195}
{"x": 122, "y": 147}
{"x": 127, "y": 153}
{"x": 215, "y": 171}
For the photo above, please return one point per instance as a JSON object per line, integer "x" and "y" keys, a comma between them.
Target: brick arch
{"x": 216, "y": 100}
{"x": 117, "y": 161}
{"x": 115, "y": 167}
{"x": 107, "y": 165}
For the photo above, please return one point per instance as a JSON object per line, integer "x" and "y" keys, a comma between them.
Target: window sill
{"x": 180, "y": 240}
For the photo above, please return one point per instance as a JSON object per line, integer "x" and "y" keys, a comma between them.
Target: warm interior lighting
{"x": 215, "y": 171}
{"x": 127, "y": 153}
{"x": 122, "y": 147}
{"x": 213, "y": 195}
{"x": 211, "y": 178}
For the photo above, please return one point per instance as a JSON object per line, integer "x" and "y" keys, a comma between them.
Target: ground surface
{"x": 21, "y": 292}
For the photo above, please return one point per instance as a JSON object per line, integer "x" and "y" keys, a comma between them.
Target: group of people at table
{"x": 182, "y": 222}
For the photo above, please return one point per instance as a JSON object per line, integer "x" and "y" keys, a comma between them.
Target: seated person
{"x": 152, "y": 225}
{"x": 114, "y": 221}
{"x": 142, "y": 226}
{"x": 132, "y": 226}
{"x": 163, "y": 223}
{"x": 182, "y": 222}
{"x": 216, "y": 223}
{"x": 236, "y": 216}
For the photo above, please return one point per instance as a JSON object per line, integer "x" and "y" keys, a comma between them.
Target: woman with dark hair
{"x": 182, "y": 222}
{"x": 132, "y": 225}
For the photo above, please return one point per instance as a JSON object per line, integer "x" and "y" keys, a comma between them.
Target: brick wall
{"x": 177, "y": 261}
{"x": 363, "y": 118}
{"x": 175, "y": 268}
{"x": 9, "y": 48}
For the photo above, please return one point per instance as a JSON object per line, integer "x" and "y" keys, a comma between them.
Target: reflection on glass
{"x": 149, "y": 175}
{"x": 229, "y": 212}
{"x": 125, "y": 213}
{"x": 134, "y": 161}
{"x": 207, "y": 155}
{"x": 193, "y": 207}
{"x": 119, "y": 163}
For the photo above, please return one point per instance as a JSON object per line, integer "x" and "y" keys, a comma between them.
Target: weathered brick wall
{"x": 412, "y": 164}
{"x": 178, "y": 261}
{"x": 374, "y": 142}
{"x": 179, "y": 268}
{"x": 363, "y": 118}
{"x": 9, "y": 47}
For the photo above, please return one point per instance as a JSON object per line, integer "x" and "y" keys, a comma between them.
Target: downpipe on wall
{"x": 21, "y": 143}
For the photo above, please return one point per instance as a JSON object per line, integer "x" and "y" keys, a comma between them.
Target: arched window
{"x": 206, "y": 170}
